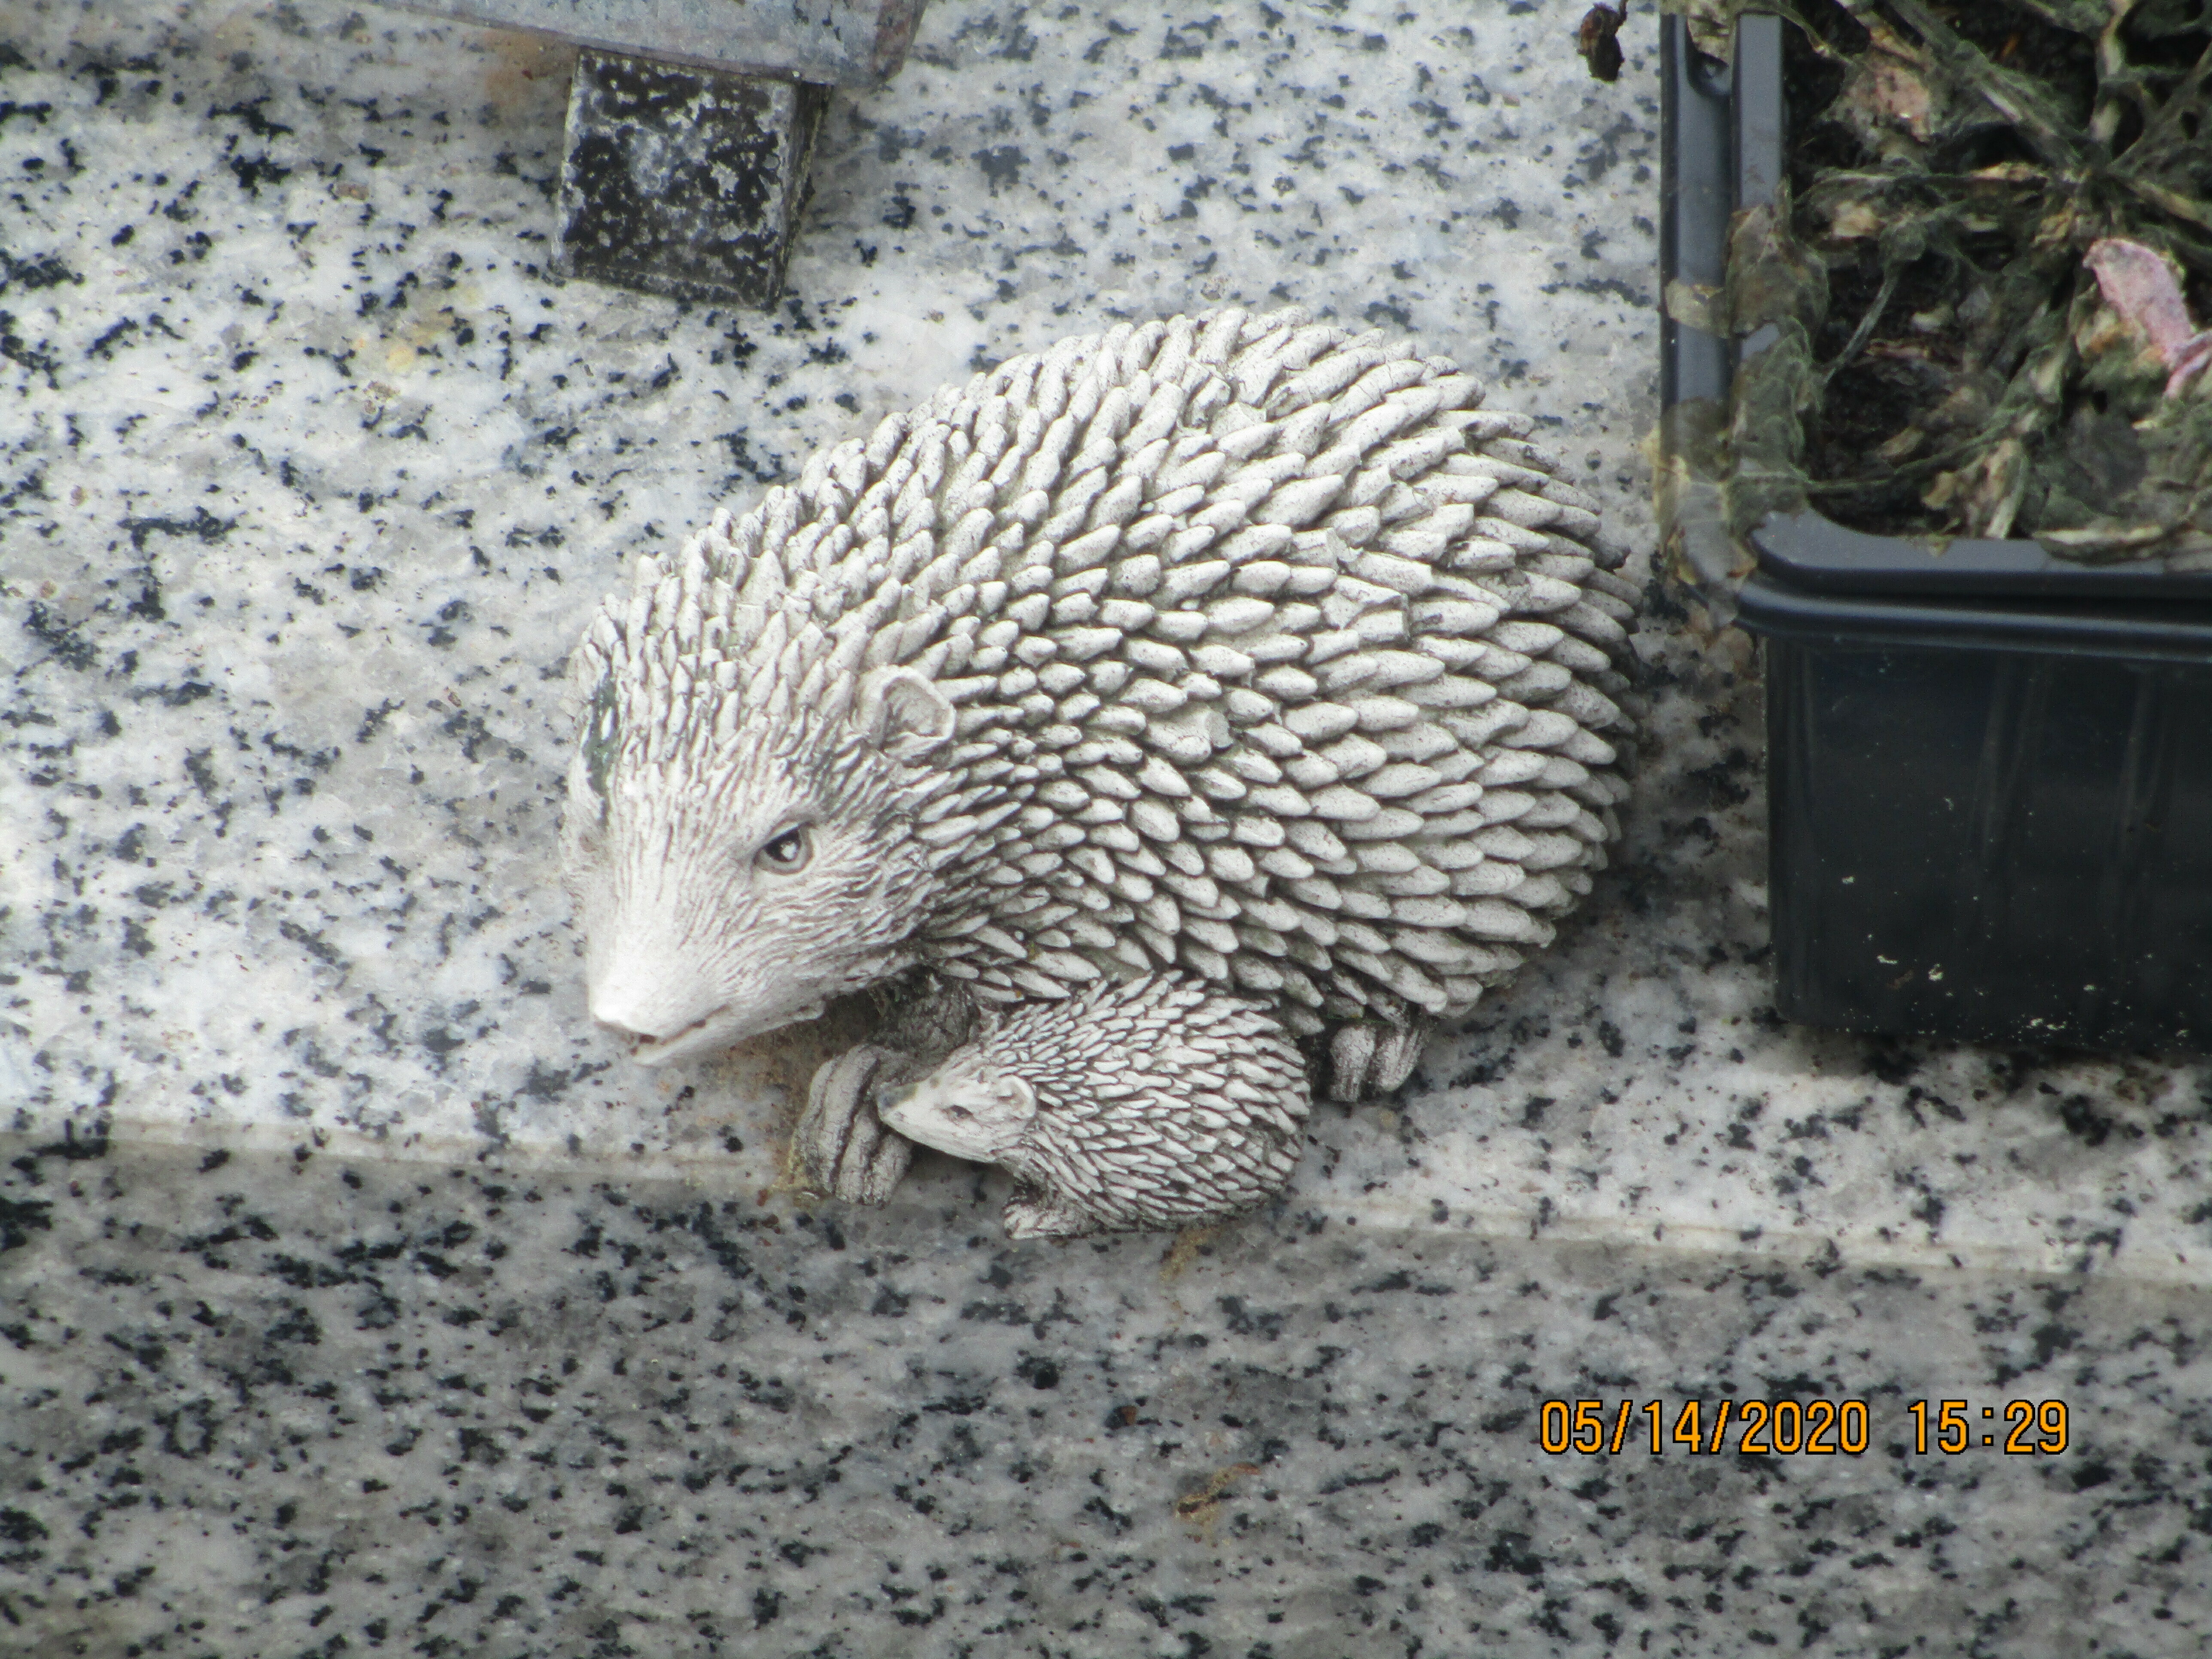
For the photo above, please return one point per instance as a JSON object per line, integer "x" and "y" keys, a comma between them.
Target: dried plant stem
{"x": 1864, "y": 331}
{"x": 2172, "y": 200}
{"x": 2013, "y": 96}
{"x": 2164, "y": 127}
{"x": 2035, "y": 399}
{"x": 2115, "y": 541}
{"x": 2076, "y": 16}
{"x": 1919, "y": 466}
{"x": 2113, "y": 80}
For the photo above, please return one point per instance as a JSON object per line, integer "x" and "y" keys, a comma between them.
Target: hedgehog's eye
{"x": 788, "y": 852}
{"x": 960, "y": 1112}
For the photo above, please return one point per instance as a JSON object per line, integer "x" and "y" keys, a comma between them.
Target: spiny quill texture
{"x": 1154, "y": 1104}
{"x": 1234, "y": 645}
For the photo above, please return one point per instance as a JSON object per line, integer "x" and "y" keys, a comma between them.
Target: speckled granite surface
{"x": 260, "y": 1407}
{"x": 308, "y": 477}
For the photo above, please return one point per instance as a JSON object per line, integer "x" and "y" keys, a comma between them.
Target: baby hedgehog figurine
{"x": 1124, "y": 1109}
{"x": 1231, "y": 658}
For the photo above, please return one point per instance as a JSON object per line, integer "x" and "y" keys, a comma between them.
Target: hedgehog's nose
{"x": 636, "y": 1036}
{"x": 628, "y": 1034}
{"x": 641, "y": 1020}
{"x": 619, "y": 1009}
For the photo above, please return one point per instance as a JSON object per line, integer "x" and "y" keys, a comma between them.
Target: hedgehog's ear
{"x": 903, "y": 712}
{"x": 1015, "y": 1096}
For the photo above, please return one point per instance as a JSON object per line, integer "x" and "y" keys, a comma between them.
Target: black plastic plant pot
{"x": 1990, "y": 770}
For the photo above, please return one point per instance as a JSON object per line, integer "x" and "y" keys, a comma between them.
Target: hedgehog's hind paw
{"x": 843, "y": 1146}
{"x": 1368, "y": 1059}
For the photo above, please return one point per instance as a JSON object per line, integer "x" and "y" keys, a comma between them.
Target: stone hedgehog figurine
{"x": 1151, "y": 1105}
{"x": 1238, "y": 647}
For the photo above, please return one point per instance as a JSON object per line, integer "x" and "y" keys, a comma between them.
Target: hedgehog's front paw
{"x": 1046, "y": 1215}
{"x": 843, "y": 1147}
{"x": 1369, "y": 1060}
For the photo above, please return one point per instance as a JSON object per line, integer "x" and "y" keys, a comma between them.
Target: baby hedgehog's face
{"x": 966, "y": 1106}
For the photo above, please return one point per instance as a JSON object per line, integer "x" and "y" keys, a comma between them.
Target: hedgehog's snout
{"x": 650, "y": 1045}
{"x": 634, "y": 994}
{"x": 649, "y": 1039}
{"x": 888, "y": 1101}
{"x": 961, "y": 1108}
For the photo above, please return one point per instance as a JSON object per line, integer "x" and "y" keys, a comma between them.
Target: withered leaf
{"x": 2138, "y": 282}
{"x": 1596, "y": 40}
